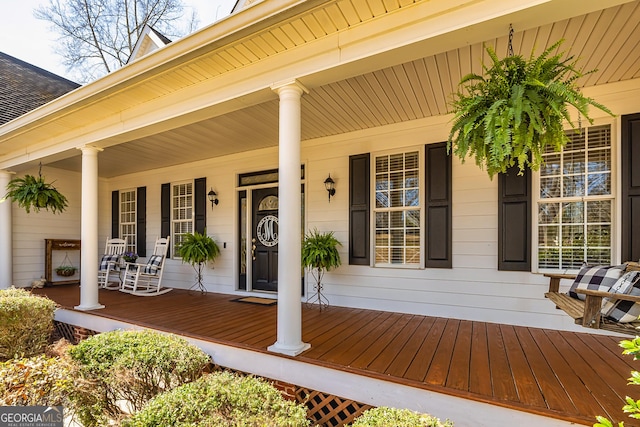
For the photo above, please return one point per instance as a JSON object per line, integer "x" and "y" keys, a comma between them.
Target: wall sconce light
{"x": 330, "y": 185}
{"x": 213, "y": 197}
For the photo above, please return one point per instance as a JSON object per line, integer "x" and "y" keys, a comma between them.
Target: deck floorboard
{"x": 566, "y": 375}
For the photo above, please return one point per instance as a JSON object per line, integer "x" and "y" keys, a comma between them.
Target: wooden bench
{"x": 588, "y": 312}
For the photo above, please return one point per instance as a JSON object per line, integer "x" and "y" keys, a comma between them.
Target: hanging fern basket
{"x": 34, "y": 193}
{"x": 517, "y": 110}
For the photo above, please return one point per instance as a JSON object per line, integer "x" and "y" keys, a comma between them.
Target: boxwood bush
{"x": 384, "y": 417}
{"x": 26, "y": 323}
{"x": 120, "y": 371}
{"x": 36, "y": 381}
{"x": 221, "y": 399}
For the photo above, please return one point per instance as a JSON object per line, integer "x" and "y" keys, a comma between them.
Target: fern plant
{"x": 31, "y": 192}
{"x": 320, "y": 254}
{"x": 518, "y": 109}
{"x": 197, "y": 249}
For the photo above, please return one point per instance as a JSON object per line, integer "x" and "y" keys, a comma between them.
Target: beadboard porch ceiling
{"x": 605, "y": 40}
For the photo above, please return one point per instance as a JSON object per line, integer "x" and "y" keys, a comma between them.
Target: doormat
{"x": 256, "y": 300}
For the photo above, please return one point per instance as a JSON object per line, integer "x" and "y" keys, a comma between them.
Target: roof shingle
{"x": 24, "y": 87}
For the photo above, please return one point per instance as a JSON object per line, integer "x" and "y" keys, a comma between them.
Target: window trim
{"x": 615, "y": 198}
{"x": 421, "y": 206}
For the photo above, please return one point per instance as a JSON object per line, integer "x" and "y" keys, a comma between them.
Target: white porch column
{"x": 89, "y": 231}
{"x": 289, "y": 339}
{"x": 6, "y": 234}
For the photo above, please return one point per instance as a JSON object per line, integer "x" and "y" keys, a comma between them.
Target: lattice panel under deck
{"x": 328, "y": 410}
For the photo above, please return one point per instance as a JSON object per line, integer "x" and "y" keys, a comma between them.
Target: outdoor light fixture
{"x": 213, "y": 197}
{"x": 330, "y": 185}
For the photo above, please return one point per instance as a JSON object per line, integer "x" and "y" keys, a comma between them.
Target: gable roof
{"x": 149, "y": 40}
{"x": 24, "y": 87}
{"x": 241, "y": 4}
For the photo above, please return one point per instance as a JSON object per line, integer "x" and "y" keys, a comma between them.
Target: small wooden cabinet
{"x": 51, "y": 245}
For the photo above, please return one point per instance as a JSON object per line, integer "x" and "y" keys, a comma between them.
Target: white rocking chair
{"x": 109, "y": 269}
{"x": 146, "y": 279}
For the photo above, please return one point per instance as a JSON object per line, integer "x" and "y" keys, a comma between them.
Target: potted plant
{"x": 518, "y": 109}
{"x": 320, "y": 254}
{"x": 66, "y": 270}
{"x": 196, "y": 249}
{"x": 130, "y": 256}
{"x": 31, "y": 192}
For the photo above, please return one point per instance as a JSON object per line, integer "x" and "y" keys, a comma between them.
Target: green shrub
{"x": 384, "y": 417}
{"x": 120, "y": 371}
{"x": 26, "y": 323}
{"x": 35, "y": 381}
{"x": 221, "y": 399}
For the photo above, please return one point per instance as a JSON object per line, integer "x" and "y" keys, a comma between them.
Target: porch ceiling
{"x": 605, "y": 40}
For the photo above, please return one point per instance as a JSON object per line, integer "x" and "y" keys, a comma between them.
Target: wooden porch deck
{"x": 564, "y": 375}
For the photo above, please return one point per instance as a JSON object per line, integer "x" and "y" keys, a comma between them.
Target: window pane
{"x": 382, "y": 238}
{"x": 382, "y": 164}
{"x": 576, "y": 140}
{"x": 551, "y": 165}
{"x": 572, "y": 257}
{"x": 382, "y": 183}
{"x": 550, "y": 188}
{"x": 597, "y": 256}
{"x": 572, "y": 212}
{"x": 549, "y": 236}
{"x": 599, "y": 184}
{"x": 574, "y": 163}
{"x": 599, "y": 211}
{"x": 572, "y": 235}
{"x": 549, "y": 213}
{"x": 382, "y": 220}
{"x": 599, "y": 136}
{"x": 599, "y": 160}
{"x": 599, "y": 235}
{"x": 549, "y": 258}
{"x": 396, "y": 198}
{"x": 573, "y": 186}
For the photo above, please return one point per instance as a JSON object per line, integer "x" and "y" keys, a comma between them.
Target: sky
{"x": 29, "y": 39}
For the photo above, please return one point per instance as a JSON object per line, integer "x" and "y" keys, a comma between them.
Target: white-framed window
{"x": 397, "y": 211}
{"x": 181, "y": 213}
{"x": 128, "y": 218}
{"x": 576, "y": 202}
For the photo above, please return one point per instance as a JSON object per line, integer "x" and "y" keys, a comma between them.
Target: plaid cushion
{"x": 107, "y": 259}
{"x": 598, "y": 278}
{"x": 153, "y": 264}
{"x": 623, "y": 311}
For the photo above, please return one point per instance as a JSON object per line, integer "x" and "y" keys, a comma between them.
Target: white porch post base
{"x": 289, "y": 350}
{"x": 89, "y": 231}
{"x": 289, "y": 336}
{"x": 88, "y": 307}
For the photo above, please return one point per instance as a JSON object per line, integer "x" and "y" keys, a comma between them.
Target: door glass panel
{"x": 269, "y": 203}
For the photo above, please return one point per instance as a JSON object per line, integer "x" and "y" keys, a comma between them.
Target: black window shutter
{"x": 115, "y": 214}
{"x": 631, "y": 187}
{"x": 141, "y": 221}
{"x": 200, "y": 204}
{"x": 438, "y": 240}
{"x": 514, "y": 220}
{"x": 165, "y": 212}
{"x": 359, "y": 206}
